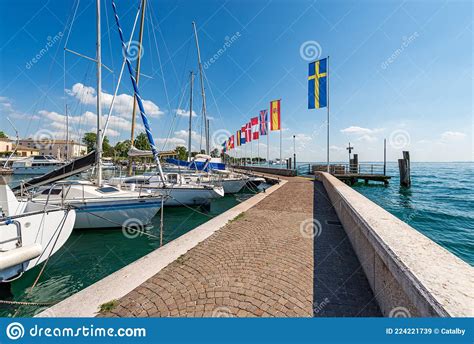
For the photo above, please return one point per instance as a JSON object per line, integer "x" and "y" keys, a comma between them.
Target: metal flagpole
{"x": 281, "y": 161}
{"x": 281, "y": 158}
{"x": 251, "y": 146}
{"x": 327, "y": 106}
{"x": 268, "y": 143}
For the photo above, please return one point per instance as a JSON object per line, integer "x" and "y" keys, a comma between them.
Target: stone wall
{"x": 409, "y": 274}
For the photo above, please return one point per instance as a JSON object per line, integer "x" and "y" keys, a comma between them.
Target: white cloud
{"x": 123, "y": 105}
{"x": 362, "y": 134}
{"x": 449, "y": 136}
{"x": 367, "y": 138}
{"x": 360, "y": 130}
{"x": 184, "y": 113}
{"x": 88, "y": 119}
{"x": 336, "y": 148}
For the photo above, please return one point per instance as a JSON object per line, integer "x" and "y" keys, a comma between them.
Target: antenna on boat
{"x": 99, "y": 107}
{"x": 206, "y": 127}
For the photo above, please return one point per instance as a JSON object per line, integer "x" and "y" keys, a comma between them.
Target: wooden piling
{"x": 404, "y": 168}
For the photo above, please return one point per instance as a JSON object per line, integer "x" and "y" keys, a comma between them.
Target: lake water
{"x": 439, "y": 204}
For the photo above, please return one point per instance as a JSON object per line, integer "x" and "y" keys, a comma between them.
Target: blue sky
{"x": 398, "y": 70}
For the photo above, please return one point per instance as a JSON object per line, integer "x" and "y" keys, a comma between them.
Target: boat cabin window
{"x": 107, "y": 189}
{"x": 55, "y": 191}
{"x": 137, "y": 181}
{"x": 172, "y": 177}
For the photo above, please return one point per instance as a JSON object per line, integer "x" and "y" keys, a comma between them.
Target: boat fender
{"x": 19, "y": 255}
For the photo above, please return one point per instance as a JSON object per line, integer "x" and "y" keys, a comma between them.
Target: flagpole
{"x": 258, "y": 149}
{"x": 327, "y": 106}
{"x": 268, "y": 145}
{"x": 251, "y": 145}
{"x": 281, "y": 161}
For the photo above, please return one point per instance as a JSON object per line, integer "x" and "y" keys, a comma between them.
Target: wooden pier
{"x": 352, "y": 178}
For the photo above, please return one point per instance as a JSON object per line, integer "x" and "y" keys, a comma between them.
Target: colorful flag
{"x": 275, "y": 122}
{"x": 224, "y": 147}
{"x": 231, "y": 139}
{"x": 263, "y": 122}
{"x": 317, "y": 84}
{"x": 243, "y": 138}
{"x": 248, "y": 132}
{"x": 239, "y": 138}
{"x": 254, "y": 122}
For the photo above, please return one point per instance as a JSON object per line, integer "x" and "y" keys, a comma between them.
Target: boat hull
{"x": 114, "y": 213}
{"x": 44, "y": 232}
{"x": 189, "y": 196}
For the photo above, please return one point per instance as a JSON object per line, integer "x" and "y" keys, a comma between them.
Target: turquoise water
{"x": 90, "y": 255}
{"x": 439, "y": 204}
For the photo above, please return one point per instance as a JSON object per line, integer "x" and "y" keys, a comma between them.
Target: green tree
{"x": 182, "y": 152}
{"x": 121, "y": 148}
{"x": 3, "y": 135}
{"x": 90, "y": 140}
{"x": 215, "y": 153}
{"x": 141, "y": 142}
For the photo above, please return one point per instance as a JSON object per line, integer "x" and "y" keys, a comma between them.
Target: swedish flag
{"x": 317, "y": 84}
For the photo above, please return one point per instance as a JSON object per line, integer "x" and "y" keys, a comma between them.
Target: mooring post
{"x": 404, "y": 168}
{"x": 384, "y": 157}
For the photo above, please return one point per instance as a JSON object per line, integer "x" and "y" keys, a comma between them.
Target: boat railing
{"x": 346, "y": 168}
{"x": 18, "y": 232}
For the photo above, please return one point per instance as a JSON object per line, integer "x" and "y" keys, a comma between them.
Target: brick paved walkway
{"x": 260, "y": 264}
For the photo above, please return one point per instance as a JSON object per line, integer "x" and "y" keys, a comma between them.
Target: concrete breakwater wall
{"x": 410, "y": 275}
{"x": 276, "y": 171}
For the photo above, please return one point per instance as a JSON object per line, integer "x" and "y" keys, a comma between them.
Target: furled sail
{"x": 74, "y": 167}
{"x": 135, "y": 152}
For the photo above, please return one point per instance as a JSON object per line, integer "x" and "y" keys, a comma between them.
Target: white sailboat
{"x": 179, "y": 191}
{"x": 97, "y": 204}
{"x": 29, "y": 232}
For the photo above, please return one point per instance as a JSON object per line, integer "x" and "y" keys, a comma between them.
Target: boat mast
{"x": 67, "y": 135}
{"x": 206, "y": 127}
{"x": 191, "y": 82}
{"x": 99, "y": 95}
{"x": 137, "y": 78}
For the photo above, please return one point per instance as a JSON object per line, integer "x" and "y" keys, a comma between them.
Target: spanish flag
{"x": 275, "y": 121}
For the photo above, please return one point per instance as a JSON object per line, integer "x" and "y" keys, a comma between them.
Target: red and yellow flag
{"x": 275, "y": 120}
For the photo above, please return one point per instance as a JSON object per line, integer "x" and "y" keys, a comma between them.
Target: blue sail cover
{"x": 197, "y": 165}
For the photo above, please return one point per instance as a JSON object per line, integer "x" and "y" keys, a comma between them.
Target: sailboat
{"x": 178, "y": 190}
{"x": 97, "y": 204}
{"x": 29, "y": 232}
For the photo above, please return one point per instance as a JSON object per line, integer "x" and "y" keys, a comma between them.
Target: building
{"x": 56, "y": 148}
{"x": 7, "y": 146}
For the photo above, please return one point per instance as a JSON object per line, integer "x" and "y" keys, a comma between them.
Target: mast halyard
{"x": 137, "y": 78}
{"x": 99, "y": 105}
{"x": 203, "y": 93}
{"x": 191, "y": 82}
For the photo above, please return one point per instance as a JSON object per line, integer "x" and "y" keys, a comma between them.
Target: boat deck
{"x": 265, "y": 262}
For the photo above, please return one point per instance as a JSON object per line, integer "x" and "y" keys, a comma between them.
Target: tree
{"x": 3, "y": 135}
{"x": 141, "y": 142}
{"x": 215, "y": 153}
{"x": 182, "y": 152}
{"x": 122, "y": 148}
{"x": 90, "y": 140}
